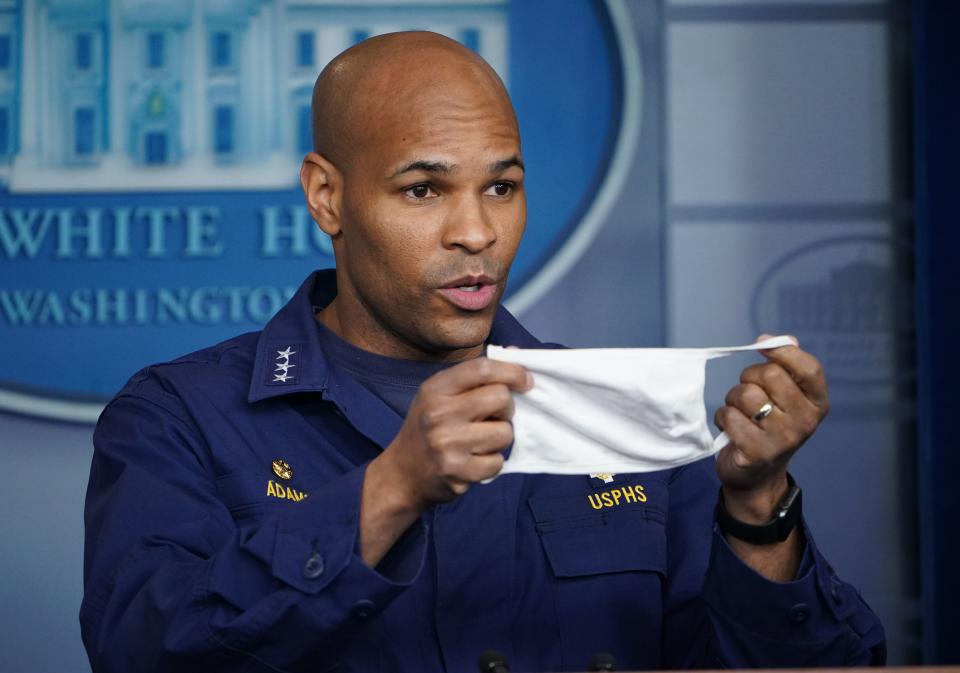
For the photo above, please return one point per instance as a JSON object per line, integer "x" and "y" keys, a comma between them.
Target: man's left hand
{"x": 753, "y": 466}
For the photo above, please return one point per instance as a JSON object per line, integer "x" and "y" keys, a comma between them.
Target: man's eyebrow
{"x": 444, "y": 168}
{"x": 426, "y": 166}
{"x": 504, "y": 164}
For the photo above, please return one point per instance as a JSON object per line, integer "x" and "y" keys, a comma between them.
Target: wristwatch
{"x": 785, "y": 518}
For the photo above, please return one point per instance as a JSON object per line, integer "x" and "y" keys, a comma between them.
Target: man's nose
{"x": 469, "y": 226}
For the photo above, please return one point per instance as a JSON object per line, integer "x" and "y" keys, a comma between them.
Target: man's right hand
{"x": 454, "y": 434}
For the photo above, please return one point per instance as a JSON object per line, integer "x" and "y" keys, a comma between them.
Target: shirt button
{"x": 313, "y": 568}
{"x": 799, "y": 613}
{"x": 363, "y": 609}
{"x": 835, "y": 593}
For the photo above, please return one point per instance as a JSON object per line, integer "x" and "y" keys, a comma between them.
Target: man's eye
{"x": 419, "y": 191}
{"x": 500, "y": 189}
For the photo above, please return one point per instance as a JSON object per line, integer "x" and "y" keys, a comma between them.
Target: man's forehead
{"x": 405, "y": 89}
{"x": 419, "y": 110}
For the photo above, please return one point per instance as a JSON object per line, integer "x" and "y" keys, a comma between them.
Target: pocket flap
{"x": 579, "y": 541}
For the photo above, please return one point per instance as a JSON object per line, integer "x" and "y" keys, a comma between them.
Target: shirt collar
{"x": 290, "y": 356}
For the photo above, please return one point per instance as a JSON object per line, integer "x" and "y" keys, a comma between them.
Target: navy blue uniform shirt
{"x": 206, "y": 553}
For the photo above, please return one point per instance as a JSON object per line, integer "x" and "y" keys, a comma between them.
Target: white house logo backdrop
{"x": 149, "y": 154}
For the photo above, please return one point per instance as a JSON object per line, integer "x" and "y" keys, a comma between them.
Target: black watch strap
{"x": 785, "y": 518}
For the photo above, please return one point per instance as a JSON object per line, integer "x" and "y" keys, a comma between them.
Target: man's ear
{"x": 323, "y": 188}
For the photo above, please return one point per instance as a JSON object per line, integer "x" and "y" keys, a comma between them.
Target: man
{"x": 306, "y": 498}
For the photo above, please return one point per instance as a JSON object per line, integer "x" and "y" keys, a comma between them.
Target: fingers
{"x": 776, "y": 385}
{"x": 456, "y": 429}
{"x": 474, "y": 455}
{"x": 471, "y": 439}
{"x": 792, "y": 381}
{"x": 479, "y": 468}
{"x": 804, "y": 369}
{"x": 480, "y": 372}
{"x": 750, "y": 399}
{"x": 758, "y": 436}
{"x": 490, "y": 401}
{"x": 743, "y": 432}
{"x": 476, "y": 469}
{"x": 796, "y": 415}
{"x": 753, "y": 448}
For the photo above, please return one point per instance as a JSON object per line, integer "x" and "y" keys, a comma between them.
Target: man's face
{"x": 433, "y": 211}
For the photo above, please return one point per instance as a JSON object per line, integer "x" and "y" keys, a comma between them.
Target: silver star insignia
{"x": 286, "y": 353}
{"x": 284, "y": 366}
{"x": 282, "y": 378}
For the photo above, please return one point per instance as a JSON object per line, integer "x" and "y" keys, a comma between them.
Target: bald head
{"x": 387, "y": 82}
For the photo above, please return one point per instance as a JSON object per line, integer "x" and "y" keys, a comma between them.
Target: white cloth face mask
{"x": 613, "y": 410}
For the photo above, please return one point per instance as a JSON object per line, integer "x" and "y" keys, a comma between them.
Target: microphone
{"x": 603, "y": 661}
{"x": 492, "y": 661}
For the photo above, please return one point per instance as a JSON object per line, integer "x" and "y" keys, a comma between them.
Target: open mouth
{"x": 470, "y": 293}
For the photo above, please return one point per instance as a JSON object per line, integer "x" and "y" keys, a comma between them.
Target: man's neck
{"x": 375, "y": 339}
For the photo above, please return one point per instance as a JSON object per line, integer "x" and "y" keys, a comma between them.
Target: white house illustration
{"x": 861, "y": 296}
{"x": 121, "y": 95}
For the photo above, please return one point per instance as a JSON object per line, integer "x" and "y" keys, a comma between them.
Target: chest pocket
{"x": 581, "y": 540}
{"x": 609, "y": 565}
{"x": 248, "y": 494}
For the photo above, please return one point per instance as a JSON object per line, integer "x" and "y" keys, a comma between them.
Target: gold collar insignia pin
{"x": 282, "y": 469}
